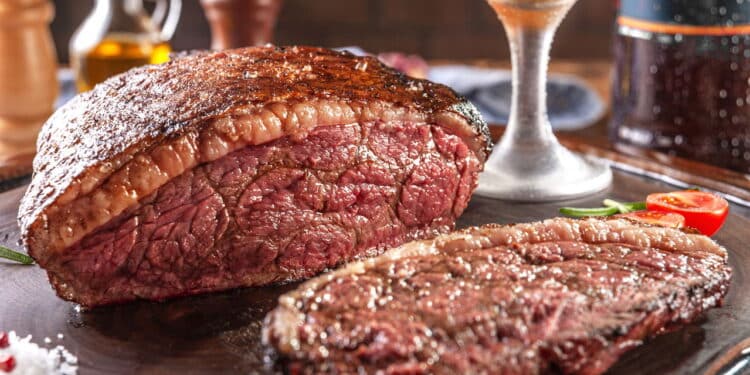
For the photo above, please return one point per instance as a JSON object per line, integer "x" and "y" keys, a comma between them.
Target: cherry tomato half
{"x": 665, "y": 219}
{"x": 7, "y": 363}
{"x": 705, "y": 212}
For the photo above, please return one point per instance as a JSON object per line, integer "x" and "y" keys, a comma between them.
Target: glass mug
{"x": 682, "y": 80}
{"x": 120, "y": 34}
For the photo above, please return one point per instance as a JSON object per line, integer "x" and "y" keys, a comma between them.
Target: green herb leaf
{"x": 15, "y": 256}
{"x": 586, "y": 212}
{"x": 625, "y": 207}
{"x": 621, "y": 208}
{"x": 612, "y": 208}
{"x": 635, "y": 206}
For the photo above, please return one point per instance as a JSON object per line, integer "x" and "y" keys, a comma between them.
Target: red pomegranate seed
{"x": 7, "y": 363}
{"x": 4, "y": 340}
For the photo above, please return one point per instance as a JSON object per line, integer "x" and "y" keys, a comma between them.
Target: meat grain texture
{"x": 560, "y": 296}
{"x": 241, "y": 168}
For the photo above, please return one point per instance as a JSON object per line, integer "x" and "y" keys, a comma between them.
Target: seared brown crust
{"x": 98, "y": 132}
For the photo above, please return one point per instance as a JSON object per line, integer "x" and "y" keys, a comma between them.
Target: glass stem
{"x": 528, "y": 165}
{"x": 529, "y": 125}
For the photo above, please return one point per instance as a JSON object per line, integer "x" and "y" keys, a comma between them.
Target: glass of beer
{"x": 528, "y": 164}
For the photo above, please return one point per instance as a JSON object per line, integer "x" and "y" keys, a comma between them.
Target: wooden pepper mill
{"x": 28, "y": 80}
{"x": 241, "y": 23}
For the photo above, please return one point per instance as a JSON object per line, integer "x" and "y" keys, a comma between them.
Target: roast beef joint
{"x": 241, "y": 168}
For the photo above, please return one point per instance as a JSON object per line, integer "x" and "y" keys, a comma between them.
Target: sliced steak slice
{"x": 242, "y": 168}
{"x": 555, "y": 296}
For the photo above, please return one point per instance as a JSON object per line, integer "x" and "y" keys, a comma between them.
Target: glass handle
{"x": 170, "y": 25}
{"x": 159, "y": 12}
{"x": 169, "y": 20}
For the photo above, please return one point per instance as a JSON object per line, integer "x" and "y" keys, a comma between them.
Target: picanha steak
{"x": 241, "y": 168}
{"x": 559, "y": 296}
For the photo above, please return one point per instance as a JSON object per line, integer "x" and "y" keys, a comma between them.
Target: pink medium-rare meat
{"x": 559, "y": 296}
{"x": 241, "y": 168}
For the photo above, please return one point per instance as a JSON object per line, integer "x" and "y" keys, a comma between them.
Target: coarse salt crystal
{"x": 31, "y": 359}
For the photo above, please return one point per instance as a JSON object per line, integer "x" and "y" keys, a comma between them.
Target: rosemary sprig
{"x": 15, "y": 256}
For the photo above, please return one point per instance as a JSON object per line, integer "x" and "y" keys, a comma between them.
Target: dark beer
{"x": 682, "y": 79}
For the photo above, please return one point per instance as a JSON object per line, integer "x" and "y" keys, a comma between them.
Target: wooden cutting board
{"x": 219, "y": 333}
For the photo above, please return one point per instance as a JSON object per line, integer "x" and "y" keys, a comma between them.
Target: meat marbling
{"x": 243, "y": 168}
{"x": 560, "y": 296}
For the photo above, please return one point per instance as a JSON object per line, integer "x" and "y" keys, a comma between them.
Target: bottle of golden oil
{"x": 119, "y": 35}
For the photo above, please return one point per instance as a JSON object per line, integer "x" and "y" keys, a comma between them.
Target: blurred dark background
{"x": 435, "y": 29}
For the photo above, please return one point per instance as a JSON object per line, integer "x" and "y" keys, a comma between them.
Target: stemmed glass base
{"x": 529, "y": 164}
{"x": 536, "y": 174}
